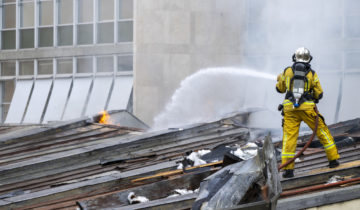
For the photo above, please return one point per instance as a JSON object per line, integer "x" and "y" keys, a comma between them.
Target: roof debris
{"x": 334, "y": 179}
{"x": 136, "y": 199}
{"x": 87, "y": 165}
{"x": 246, "y": 152}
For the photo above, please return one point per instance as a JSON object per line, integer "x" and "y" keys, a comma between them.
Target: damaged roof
{"x": 88, "y": 165}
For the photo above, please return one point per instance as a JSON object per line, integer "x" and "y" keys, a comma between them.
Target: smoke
{"x": 212, "y": 93}
{"x": 273, "y": 31}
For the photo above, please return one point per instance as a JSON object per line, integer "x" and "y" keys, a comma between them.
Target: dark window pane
{"x": 5, "y": 110}
{"x": 27, "y": 15}
{"x": 45, "y": 67}
{"x": 64, "y": 66}
{"x": 84, "y": 65}
{"x": 65, "y": 35}
{"x": 125, "y": 63}
{"x": 106, "y": 32}
{"x": 85, "y": 11}
{"x": 46, "y": 37}
{"x": 126, "y": 9}
{"x": 106, "y": 10}
{"x": 26, "y": 68}
{"x": 8, "y": 40}
{"x": 27, "y": 38}
{"x": 105, "y": 64}
{"x": 125, "y": 31}
{"x": 9, "y": 20}
{"x": 85, "y": 34}
{"x": 8, "y": 91}
{"x": 8, "y": 68}
{"x": 46, "y": 13}
{"x": 65, "y": 11}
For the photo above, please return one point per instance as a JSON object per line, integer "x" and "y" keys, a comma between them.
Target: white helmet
{"x": 302, "y": 55}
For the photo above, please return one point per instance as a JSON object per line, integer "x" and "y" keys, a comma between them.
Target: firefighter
{"x": 302, "y": 87}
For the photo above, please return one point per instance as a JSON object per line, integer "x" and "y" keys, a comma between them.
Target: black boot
{"x": 333, "y": 164}
{"x": 288, "y": 173}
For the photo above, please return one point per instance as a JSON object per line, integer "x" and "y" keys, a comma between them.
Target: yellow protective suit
{"x": 305, "y": 112}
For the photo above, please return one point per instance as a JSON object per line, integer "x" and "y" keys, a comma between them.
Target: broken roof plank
{"x": 82, "y": 158}
{"x": 153, "y": 191}
{"x": 179, "y": 202}
{"x": 37, "y": 132}
{"x": 54, "y": 146}
{"x": 320, "y": 198}
{"x": 85, "y": 188}
{"x": 318, "y": 177}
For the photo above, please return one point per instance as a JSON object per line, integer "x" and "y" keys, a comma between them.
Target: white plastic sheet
{"x": 57, "y": 100}
{"x": 37, "y": 101}
{"x": 121, "y": 93}
{"x": 76, "y": 103}
{"x": 19, "y": 101}
{"x": 99, "y": 95}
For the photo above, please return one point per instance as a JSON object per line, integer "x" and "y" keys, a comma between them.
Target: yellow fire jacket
{"x": 283, "y": 84}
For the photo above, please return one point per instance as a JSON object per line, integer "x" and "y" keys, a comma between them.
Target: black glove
{"x": 280, "y": 107}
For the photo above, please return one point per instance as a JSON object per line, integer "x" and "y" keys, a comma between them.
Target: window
{"x": 27, "y": 14}
{"x": 105, "y": 64}
{"x": 125, "y": 63}
{"x": 65, "y": 11}
{"x": 106, "y": 32}
{"x": 65, "y": 35}
{"x": 7, "y": 92}
{"x": 8, "y": 68}
{"x": 85, "y": 34}
{"x": 126, "y": 9}
{"x": 85, "y": 11}
{"x": 84, "y": 65}
{"x": 70, "y": 97}
{"x": 64, "y": 66}
{"x": 8, "y": 23}
{"x": 8, "y": 40}
{"x": 9, "y": 16}
{"x": 46, "y": 37}
{"x": 125, "y": 31}
{"x": 26, "y": 38}
{"x": 106, "y": 10}
{"x": 46, "y": 13}
{"x": 26, "y": 68}
{"x": 45, "y": 67}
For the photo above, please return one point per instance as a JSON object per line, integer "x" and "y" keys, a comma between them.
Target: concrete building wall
{"x": 175, "y": 38}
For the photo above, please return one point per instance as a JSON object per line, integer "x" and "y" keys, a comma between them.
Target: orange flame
{"x": 105, "y": 118}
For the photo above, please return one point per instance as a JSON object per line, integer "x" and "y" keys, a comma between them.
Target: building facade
{"x": 175, "y": 38}
{"x": 62, "y": 59}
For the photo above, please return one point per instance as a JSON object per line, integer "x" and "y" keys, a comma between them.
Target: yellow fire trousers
{"x": 292, "y": 120}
